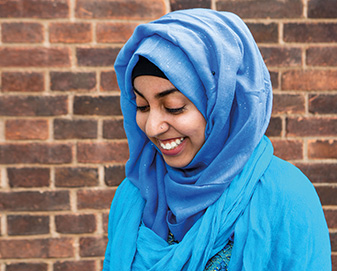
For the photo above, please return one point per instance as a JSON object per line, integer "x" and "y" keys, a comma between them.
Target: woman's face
{"x": 169, "y": 119}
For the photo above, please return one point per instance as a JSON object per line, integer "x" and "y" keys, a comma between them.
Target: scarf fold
{"x": 212, "y": 58}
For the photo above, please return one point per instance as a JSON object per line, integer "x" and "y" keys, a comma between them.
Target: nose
{"x": 155, "y": 124}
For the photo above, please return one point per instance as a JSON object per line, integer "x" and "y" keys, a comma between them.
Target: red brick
{"x": 70, "y": 33}
{"x": 274, "y": 79}
{"x": 46, "y": 9}
{"x": 35, "y": 153}
{"x": 114, "y": 32}
{"x": 322, "y": 56}
{"x": 311, "y": 126}
{"x": 93, "y": 246}
{"x": 186, "y": 4}
{"x": 333, "y": 240}
{"x": 27, "y": 267}
{"x": 36, "y": 248}
{"x": 264, "y": 33}
{"x": 101, "y": 105}
{"x": 331, "y": 218}
{"x": 322, "y": 149}
{"x": 34, "y": 57}
{"x": 96, "y": 57}
{"x": 28, "y": 177}
{"x": 27, "y": 225}
{"x": 34, "y": 201}
{"x": 309, "y": 80}
{"x": 95, "y": 199}
{"x": 20, "y": 129}
{"x": 322, "y": 9}
{"x": 281, "y": 56}
{"x": 113, "y": 129}
{"x": 114, "y": 175}
{"x": 334, "y": 262}
{"x": 288, "y": 149}
{"x": 109, "y": 81}
{"x": 22, "y": 81}
{"x": 75, "y": 266}
{"x": 76, "y": 177}
{"x": 75, "y": 129}
{"x": 288, "y": 103}
{"x": 105, "y": 219}
{"x": 323, "y": 104}
{"x": 69, "y": 81}
{"x": 275, "y": 127}
{"x": 320, "y": 172}
{"x": 33, "y": 105}
{"x": 22, "y": 32}
{"x": 310, "y": 32}
{"x": 262, "y": 9}
{"x": 103, "y": 152}
{"x": 120, "y": 9}
{"x": 75, "y": 224}
{"x": 327, "y": 194}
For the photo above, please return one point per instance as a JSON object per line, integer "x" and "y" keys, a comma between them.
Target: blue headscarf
{"x": 212, "y": 58}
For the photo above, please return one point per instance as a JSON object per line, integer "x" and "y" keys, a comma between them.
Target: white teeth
{"x": 172, "y": 145}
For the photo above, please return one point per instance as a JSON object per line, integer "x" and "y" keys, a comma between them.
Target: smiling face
{"x": 169, "y": 119}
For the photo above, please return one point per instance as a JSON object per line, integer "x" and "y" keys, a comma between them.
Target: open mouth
{"x": 171, "y": 144}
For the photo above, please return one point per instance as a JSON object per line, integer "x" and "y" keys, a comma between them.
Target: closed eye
{"x": 175, "y": 110}
{"x": 143, "y": 108}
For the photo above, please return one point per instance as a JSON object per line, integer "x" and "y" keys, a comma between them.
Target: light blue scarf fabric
{"x": 212, "y": 58}
{"x": 233, "y": 184}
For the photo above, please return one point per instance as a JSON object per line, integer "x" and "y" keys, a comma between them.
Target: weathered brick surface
{"x": 35, "y": 153}
{"x": 27, "y": 225}
{"x": 27, "y": 267}
{"x": 114, "y": 32}
{"x": 95, "y": 199}
{"x": 62, "y": 145}
{"x": 75, "y": 224}
{"x": 46, "y": 9}
{"x": 113, "y": 129}
{"x": 102, "y": 152}
{"x": 22, "y": 82}
{"x": 323, "y": 104}
{"x": 37, "y": 248}
{"x": 70, "y": 33}
{"x": 34, "y": 201}
{"x": 262, "y": 9}
{"x": 322, "y": 56}
{"x": 101, "y": 105}
{"x": 114, "y": 175}
{"x": 120, "y": 9}
{"x": 68, "y": 81}
{"x": 28, "y": 177}
{"x": 72, "y": 129}
{"x": 76, "y": 177}
{"x": 309, "y": 80}
{"x": 311, "y": 126}
{"x": 22, "y": 32}
{"x": 75, "y": 266}
{"x": 108, "y": 81}
{"x": 26, "y": 129}
{"x": 310, "y": 32}
{"x": 92, "y": 246}
{"x": 34, "y": 57}
{"x": 322, "y": 9}
{"x": 95, "y": 57}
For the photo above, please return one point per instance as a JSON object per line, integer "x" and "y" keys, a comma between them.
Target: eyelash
{"x": 174, "y": 111}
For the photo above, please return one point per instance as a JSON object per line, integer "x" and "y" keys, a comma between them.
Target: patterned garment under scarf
{"x": 219, "y": 262}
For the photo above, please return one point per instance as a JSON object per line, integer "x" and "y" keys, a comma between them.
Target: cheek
{"x": 141, "y": 121}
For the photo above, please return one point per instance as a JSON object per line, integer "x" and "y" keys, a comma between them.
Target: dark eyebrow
{"x": 158, "y": 95}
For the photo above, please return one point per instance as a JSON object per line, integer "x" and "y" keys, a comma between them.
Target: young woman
{"x": 203, "y": 190}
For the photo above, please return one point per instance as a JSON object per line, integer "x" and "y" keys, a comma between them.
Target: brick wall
{"x": 62, "y": 145}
